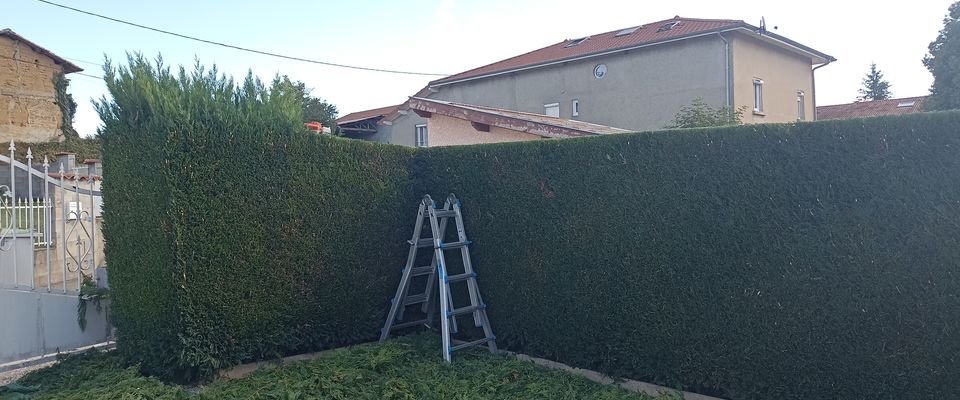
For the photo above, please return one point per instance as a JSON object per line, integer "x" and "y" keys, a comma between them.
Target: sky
{"x": 446, "y": 37}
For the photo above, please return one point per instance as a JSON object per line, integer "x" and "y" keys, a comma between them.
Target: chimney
{"x": 67, "y": 160}
{"x": 94, "y": 167}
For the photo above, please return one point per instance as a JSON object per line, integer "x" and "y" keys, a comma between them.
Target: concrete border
{"x": 28, "y": 362}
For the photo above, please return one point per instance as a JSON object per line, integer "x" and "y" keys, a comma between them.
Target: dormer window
{"x": 575, "y": 42}
{"x": 668, "y": 26}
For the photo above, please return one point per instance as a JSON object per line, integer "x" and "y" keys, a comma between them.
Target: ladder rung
{"x": 415, "y": 299}
{"x": 445, "y": 213}
{"x": 422, "y": 271}
{"x": 461, "y": 277}
{"x": 454, "y": 245}
{"x": 408, "y": 324}
{"x": 422, "y": 242}
{"x": 465, "y": 310}
{"x": 468, "y": 344}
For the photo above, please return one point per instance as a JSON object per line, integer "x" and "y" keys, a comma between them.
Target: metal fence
{"x": 24, "y": 211}
{"x": 49, "y": 230}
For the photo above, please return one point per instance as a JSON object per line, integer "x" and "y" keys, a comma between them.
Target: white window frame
{"x": 801, "y": 106}
{"x": 420, "y": 140}
{"x": 549, "y": 106}
{"x": 758, "y": 96}
{"x": 575, "y": 108}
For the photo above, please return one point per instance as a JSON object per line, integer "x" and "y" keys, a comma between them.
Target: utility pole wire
{"x": 266, "y": 53}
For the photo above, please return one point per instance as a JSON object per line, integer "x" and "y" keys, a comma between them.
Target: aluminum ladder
{"x": 436, "y": 274}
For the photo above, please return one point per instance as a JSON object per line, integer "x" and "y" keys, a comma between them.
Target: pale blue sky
{"x": 449, "y": 36}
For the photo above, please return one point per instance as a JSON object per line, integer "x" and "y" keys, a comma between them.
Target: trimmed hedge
{"x": 232, "y": 233}
{"x": 813, "y": 260}
{"x": 796, "y": 261}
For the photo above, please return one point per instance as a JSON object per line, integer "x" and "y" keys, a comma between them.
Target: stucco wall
{"x": 37, "y": 323}
{"x": 448, "y": 131}
{"x": 403, "y": 130}
{"x": 28, "y": 110}
{"x": 783, "y": 74}
{"x": 642, "y": 90}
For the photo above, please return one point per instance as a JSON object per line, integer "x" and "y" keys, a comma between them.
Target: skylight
{"x": 575, "y": 42}
{"x": 906, "y": 104}
{"x": 628, "y": 31}
{"x": 668, "y": 26}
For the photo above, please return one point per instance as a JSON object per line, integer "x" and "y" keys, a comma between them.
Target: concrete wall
{"x": 448, "y": 131}
{"x": 34, "y": 323}
{"x": 783, "y": 74}
{"x": 28, "y": 109}
{"x": 642, "y": 90}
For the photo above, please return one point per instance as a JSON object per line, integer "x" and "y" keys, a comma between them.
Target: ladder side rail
{"x": 411, "y": 261}
{"x": 444, "y": 294}
{"x": 397, "y": 302}
{"x": 475, "y": 299}
{"x": 432, "y": 279}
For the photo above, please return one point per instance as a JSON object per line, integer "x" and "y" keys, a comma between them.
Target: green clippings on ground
{"x": 96, "y": 375}
{"x": 406, "y": 368}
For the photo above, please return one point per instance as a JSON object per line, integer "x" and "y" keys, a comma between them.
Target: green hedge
{"x": 234, "y": 234}
{"x": 796, "y": 261}
{"x": 800, "y": 261}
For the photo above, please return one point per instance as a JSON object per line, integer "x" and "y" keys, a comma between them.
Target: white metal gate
{"x": 49, "y": 225}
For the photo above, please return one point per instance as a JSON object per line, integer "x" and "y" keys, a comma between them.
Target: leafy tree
{"x": 314, "y": 108}
{"x": 699, "y": 114}
{"x": 874, "y": 86}
{"x": 944, "y": 63}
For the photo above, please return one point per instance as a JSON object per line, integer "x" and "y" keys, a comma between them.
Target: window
{"x": 575, "y": 42}
{"x": 552, "y": 110}
{"x": 758, "y": 96}
{"x": 575, "y": 107}
{"x": 801, "y": 106}
{"x": 668, "y": 26}
{"x": 421, "y": 135}
{"x": 627, "y": 31}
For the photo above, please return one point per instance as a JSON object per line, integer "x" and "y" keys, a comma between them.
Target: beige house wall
{"x": 783, "y": 74}
{"x": 448, "y": 131}
{"x": 28, "y": 108}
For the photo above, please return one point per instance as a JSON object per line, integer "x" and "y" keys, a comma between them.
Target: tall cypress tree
{"x": 944, "y": 63}
{"x": 874, "y": 86}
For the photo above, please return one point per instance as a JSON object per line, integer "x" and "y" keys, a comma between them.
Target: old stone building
{"x": 29, "y": 110}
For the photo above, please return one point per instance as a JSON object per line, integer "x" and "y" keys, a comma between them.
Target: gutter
{"x": 813, "y": 81}
{"x": 729, "y": 71}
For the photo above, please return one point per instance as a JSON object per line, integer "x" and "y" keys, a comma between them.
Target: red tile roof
{"x": 647, "y": 34}
{"x": 876, "y": 108}
{"x": 68, "y": 67}
{"x": 535, "y": 124}
{"x": 367, "y": 114}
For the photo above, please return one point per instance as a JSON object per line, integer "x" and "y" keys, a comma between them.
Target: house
{"x": 456, "y": 124}
{"x": 28, "y": 104}
{"x": 637, "y": 78}
{"x": 875, "y": 108}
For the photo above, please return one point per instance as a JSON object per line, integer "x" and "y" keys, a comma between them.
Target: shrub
{"x": 232, "y": 233}
{"x": 794, "y": 261}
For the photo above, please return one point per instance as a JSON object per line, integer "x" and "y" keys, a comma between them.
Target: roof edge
{"x": 68, "y": 67}
{"x": 736, "y": 25}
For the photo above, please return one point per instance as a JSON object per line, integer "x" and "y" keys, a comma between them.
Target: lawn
{"x": 406, "y": 368}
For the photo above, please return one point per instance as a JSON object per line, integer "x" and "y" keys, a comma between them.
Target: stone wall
{"x": 28, "y": 108}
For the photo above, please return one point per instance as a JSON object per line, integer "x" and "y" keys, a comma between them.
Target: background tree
{"x": 874, "y": 86}
{"x": 943, "y": 61}
{"x": 314, "y": 108}
{"x": 699, "y": 114}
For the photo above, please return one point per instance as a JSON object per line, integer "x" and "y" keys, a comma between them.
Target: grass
{"x": 407, "y": 368}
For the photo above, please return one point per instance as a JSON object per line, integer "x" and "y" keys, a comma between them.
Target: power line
{"x": 266, "y": 53}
